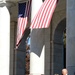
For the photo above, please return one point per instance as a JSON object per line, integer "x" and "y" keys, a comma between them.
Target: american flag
{"x": 23, "y": 16}
{"x": 43, "y": 17}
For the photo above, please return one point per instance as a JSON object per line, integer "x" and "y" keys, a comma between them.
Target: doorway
{"x": 59, "y": 48}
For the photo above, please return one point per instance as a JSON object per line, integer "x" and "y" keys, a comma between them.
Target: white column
{"x": 35, "y": 7}
{"x": 37, "y": 45}
{"x": 4, "y": 40}
{"x": 70, "y": 47}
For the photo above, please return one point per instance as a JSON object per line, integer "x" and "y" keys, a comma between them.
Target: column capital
{"x": 6, "y": 3}
{"x": 2, "y": 3}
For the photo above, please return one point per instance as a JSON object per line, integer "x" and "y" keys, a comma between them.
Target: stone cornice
{"x": 10, "y": 2}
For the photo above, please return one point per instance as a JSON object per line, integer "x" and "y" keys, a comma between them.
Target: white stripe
{"x": 47, "y": 14}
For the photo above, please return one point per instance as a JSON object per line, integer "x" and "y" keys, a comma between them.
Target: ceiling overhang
{"x": 12, "y": 1}
{"x": 9, "y": 2}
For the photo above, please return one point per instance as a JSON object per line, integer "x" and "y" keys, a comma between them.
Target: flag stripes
{"x": 43, "y": 18}
{"x": 24, "y": 12}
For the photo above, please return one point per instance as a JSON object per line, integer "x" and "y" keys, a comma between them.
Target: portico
{"x": 46, "y": 44}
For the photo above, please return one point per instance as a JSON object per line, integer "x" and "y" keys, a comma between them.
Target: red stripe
{"x": 44, "y": 15}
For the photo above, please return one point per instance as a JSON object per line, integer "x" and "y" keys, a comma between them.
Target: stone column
{"x": 70, "y": 40}
{"x": 37, "y": 45}
{"x": 20, "y": 54}
{"x": 4, "y": 40}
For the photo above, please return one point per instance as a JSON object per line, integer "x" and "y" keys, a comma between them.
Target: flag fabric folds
{"x": 43, "y": 18}
{"x": 23, "y": 16}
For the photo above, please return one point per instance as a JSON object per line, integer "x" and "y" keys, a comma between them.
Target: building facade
{"x": 48, "y": 55}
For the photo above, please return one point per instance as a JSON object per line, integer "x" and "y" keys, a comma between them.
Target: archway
{"x": 58, "y": 48}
